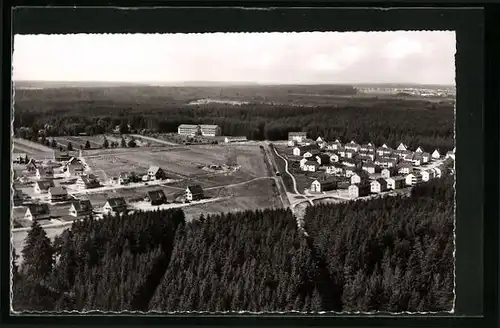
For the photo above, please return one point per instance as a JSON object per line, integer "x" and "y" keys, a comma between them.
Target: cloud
{"x": 315, "y": 57}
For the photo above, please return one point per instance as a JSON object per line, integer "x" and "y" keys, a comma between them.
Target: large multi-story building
{"x": 205, "y": 130}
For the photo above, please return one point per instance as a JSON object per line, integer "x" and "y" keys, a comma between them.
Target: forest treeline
{"x": 391, "y": 121}
{"x": 391, "y": 254}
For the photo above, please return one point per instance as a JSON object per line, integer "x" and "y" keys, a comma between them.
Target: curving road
{"x": 291, "y": 176}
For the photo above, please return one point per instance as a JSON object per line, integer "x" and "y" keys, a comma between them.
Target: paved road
{"x": 138, "y": 136}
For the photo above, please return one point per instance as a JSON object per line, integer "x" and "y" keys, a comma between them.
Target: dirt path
{"x": 138, "y": 136}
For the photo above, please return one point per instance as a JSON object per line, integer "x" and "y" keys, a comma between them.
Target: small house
{"x": 297, "y": 136}
{"x": 402, "y": 146}
{"x": 302, "y": 162}
{"x": 436, "y": 154}
{"x": 292, "y": 143}
{"x": 322, "y": 159}
{"x": 299, "y": 151}
{"x": 349, "y": 172}
{"x": 19, "y": 158}
{"x": 419, "y": 150}
{"x": 389, "y": 172}
{"x": 58, "y": 194}
{"x": 440, "y": 171}
{"x": 230, "y": 139}
{"x": 370, "y": 168}
{"x": 334, "y": 158}
{"x": 413, "y": 178}
{"x": 156, "y": 173}
{"x": 379, "y": 185}
{"x": 37, "y": 212}
{"x": 74, "y": 167}
{"x": 31, "y": 166}
{"x": 322, "y": 186}
{"x": 334, "y": 145}
{"x": 311, "y": 154}
{"x": 350, "y": 154}
{"x": 352, "y": 146}
{"x": 310, "y": 166}
{"x": 156, "y": 197}
{"x": 336, "y": 169}
{"x": 349, "y": 163}
{"x": 359, "y": 190}
{"x": 18, "y": 197}
{"x": 396, "y": 182}
{"x": 450, "y": 154}
{"x": 342, "y": 152}
{"x": 427, "y": 175}
{"x": 426, "y": 157}
{"x": 80, "y": 208}
{"x": 195, "y": 192}
{"x": 43, "y": 173}
{"x": 360, "y": 176}
{"x": 43, "y": 186}
{"x": 115, "y": 205}
{"x": 87, "y": 182}
{"x": 405, "y": 168}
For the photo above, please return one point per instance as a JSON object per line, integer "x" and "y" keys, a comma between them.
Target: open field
{"x": 184, "y": 162}
{"x": 258, "y": 194}
{"x": 32, "y": 149}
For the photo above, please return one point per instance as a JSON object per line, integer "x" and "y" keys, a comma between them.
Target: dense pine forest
{"x": 392, "y": 254}
{"x": 390, "y": 120}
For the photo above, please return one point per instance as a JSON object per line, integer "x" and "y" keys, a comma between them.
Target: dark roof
{"x": 363, "y": 184}
{"x": 362, "y": 174}
{"x": 83, "y": 205}
{"x": 58, "y": 191}
{"x": 89, "y": 180}
{"x": 154, "y": 195}
{"x": 297, "y": 133}
{"x": 312, "y": 163}
{"x": 18, "y": 193}
{"x": 381, "y": 181}
{"x": 197, "y": 189}
{"x": 45, "y": 184}
{"x": 396, "y": 178}
{"x": 308, "y": 147}
{"x": 39, "y": 209}
{"x": 116, "y": 202}
{"x": 153, "y": 169}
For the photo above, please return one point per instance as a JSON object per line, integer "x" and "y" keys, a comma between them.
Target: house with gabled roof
{"x": 359, "y": 177}
{"x": 323, "y": 185}
{"x": 297, "y": 136}
{"x": 426, "y": 157}
{"x": 413, "y": 178}
{"x": 419, "y": 150}
{"x": 31, "y": 166}
{"x": 115, "y": 205}
{"x": 334, "y": 158}
{"x": 402, "y": 146}
{"x": 43, "y": 173}
{"x": 370, "y": 167}
{"x": 389, "y": 172}
{"x": 334, "y": 145}
{"x": 450, "y": 154}
{"x": 37, "y": 212}
{"x": 311, "y": 153}
{"x": 359, "y": 190}
{"x": 378, "y": 185}
{"x": 384, "y": 150}
{"x": 195, "y": 192}
{"x": 43, "y": 186}
{"x": 353, "y": 146}
{"x": 396, "y": 182}
{"x": 74, "y": 167}
{"x": 322, "y": 159}
{"x": 80, "y": 208}
{"x": 336, "y": 168}
{"x": 436, "y": 154}
{"x": 319, "y": 139}
{"x": 427, "y": 175}
{"x": 156, "y": 173}
{"x": 349, "y": 172}
{"x": 58, "y": 194}
{"x": 405, "y": 168}
{"x": 89, "y": 181}
{"x": 310, "y": 166}
{"x": 156, "y": 197}
{"x": 18, "y": 197}
{"x": 299, "y": 151}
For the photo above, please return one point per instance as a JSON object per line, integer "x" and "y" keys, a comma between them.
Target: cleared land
{"x": 32, "y": 148}
{"x": 255, "y": 195}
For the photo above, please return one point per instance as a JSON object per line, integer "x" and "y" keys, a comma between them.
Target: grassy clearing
{"x": 252, "y": 196}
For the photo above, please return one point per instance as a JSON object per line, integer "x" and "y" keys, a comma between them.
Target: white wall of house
{"x": 316, "y": 186}
{"x": 386, "y": 173}
{"x": 375, "y": 187}
{"x": 296, "y": 151}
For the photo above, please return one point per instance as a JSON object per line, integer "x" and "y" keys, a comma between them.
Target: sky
{"x": 422, "y": 57}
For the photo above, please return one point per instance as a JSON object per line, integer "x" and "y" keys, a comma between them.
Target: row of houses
{"x": 302, "y": 145}
{"x": 115, "y": 205}
{"x": 361, "y": 183}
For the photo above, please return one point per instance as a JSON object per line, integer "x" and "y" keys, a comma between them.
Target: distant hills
{"x": 93, "y": 84}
